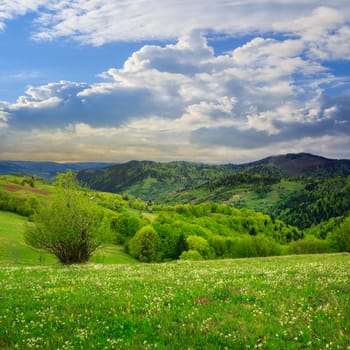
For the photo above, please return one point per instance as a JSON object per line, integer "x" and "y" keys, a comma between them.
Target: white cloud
{"x": 101, "y": 21}
{"x": 182, "y": 100}
{"x": 325, "y": 33}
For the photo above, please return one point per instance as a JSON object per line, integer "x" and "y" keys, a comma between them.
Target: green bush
{"x": 218, "y": 243}
{"x": 199, "y": 244}
{"x": 69, "y": 228}
{"x": 339, "y": 239}
{"x": 191, "y": 255}
{"x": 266, "y": 246}
{"x": 309, "y": 245}
{"x": 145, "y": 245}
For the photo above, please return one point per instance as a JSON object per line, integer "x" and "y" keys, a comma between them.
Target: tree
{"x": 199, "y": 244}
{"x": 339, "y": 238}
{"x": 145, "y": 245}
{"x": 181, "y": 245}
{"x": 69, "y": 227}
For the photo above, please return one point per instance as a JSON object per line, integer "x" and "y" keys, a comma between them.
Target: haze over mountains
{"x": 45, "y": 169}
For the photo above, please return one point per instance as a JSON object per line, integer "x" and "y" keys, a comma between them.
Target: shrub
{"x": 145, "y": 245}
{"x": 308, "y": 245}
{"x": 191, "y": 255}
{"x": 199, "y": 244}
{"x": 266, "y": 246}
{"x": 69, "y": 228}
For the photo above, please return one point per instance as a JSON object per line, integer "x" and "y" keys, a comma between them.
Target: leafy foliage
{"x": 69, "y": 227}
{"x": 339, "y": 239}
{"x": 145, "y": 245}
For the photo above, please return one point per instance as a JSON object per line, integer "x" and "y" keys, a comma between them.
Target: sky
{"x": 225, "y": 81}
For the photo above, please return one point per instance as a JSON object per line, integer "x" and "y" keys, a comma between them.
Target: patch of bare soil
{"x": 15, "y": 187}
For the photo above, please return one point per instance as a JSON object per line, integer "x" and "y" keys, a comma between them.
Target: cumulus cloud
{"x": 182, "y": 100}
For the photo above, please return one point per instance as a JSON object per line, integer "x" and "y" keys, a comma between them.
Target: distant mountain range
{"x": 148, "y": 179}
{"x": 45, "y": 169}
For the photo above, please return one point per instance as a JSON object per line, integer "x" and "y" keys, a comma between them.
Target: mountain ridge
{"x": 147, "y": 179}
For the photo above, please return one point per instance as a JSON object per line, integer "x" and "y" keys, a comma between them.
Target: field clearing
{"x": 290, "y": 302}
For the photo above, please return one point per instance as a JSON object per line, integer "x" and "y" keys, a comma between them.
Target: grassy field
{"x": 12, "y": 247}
{"x": 294, "y": 302}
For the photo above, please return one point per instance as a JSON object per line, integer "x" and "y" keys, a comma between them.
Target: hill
{"x": 157, "y": 181}
{"x": 306, "y": 164}
{"x": 152, "y": 180}
{"x": 46, "y": 170}
{"x": 301, "y": 189}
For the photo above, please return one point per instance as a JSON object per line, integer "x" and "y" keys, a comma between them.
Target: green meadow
{"x": 291, "y": 302}
{"x": 114, "y": 302}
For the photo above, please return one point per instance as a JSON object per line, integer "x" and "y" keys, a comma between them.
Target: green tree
{"x": 69, "y": 228}
{"x": 145, "y": 245}
{"x": 181, "y": 245}
{"x": 191, "y": 255}
{"x": 199, "y": 244}
{"x": 339, "y": 239}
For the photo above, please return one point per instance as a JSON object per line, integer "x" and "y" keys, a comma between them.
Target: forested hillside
{"x": 300, "y": 189}
{"x": 319, "y": 200}
{"x": 152, "y": 180}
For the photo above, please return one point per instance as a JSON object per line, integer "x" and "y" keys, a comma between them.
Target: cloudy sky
{"x": 201, "y": 80}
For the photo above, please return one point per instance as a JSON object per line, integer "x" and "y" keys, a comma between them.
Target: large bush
{"x": 69, "y": 227}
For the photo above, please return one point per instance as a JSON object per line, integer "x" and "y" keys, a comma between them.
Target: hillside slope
{"x": 152, "y": 180}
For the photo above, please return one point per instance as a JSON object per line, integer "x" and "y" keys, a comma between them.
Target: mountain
{"x": 306, "y": 164}
{"x": 45, "y": 169}
{"x": 152, "y": 180}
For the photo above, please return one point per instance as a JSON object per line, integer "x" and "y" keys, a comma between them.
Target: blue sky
{"x": 209, "y": 81}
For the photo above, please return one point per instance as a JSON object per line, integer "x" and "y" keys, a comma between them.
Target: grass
{"x": 294, "y": 302}
{"x": 13, "y": 249}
